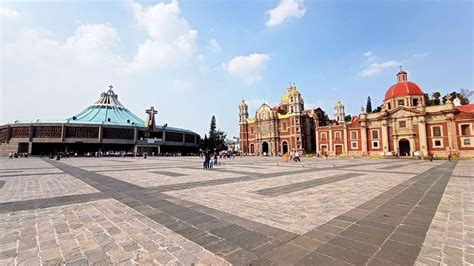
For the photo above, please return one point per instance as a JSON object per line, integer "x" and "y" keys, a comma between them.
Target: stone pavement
{"x": 247, "y": 211}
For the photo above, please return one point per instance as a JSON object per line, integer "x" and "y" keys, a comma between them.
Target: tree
{"x": 466, "y": 95}
{"x": 428, "y": 100}
{"x": 368, "y": 107}
{"x": 436, "y": 95}
{"x": 348, "y": 118}
{"x": 216, "y": 139}
{"x": 378, "y": 109}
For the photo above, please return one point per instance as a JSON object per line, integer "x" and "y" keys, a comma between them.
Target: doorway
{"x": 285, "y": 147}
{"x": 338, "y": 150}
{"x": 404, "y": 147}
{"x": 252, "y": 149}
{"x": 265, "y": 148}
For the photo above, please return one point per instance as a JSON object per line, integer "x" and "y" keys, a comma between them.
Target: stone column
{"x": 385, "y": 136}
{"x": 422, "y": 137}
{"x": 135, "y": 135}
{"x": 363, "y": 133}
{"x": 452, "y": 132}
{"x": 99, "y": 139}
{"x": 330, "y": 139}
{"x": 346, "y": 139}
{"x": 63, "y": 133}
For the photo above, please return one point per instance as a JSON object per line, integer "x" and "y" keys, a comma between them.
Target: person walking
{"x": 297, "y": 156}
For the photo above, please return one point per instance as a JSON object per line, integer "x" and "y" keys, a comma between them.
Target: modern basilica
{"x": 405, "y": 126}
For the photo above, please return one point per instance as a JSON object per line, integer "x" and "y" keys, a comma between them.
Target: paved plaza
{"x": 246, "y": 211}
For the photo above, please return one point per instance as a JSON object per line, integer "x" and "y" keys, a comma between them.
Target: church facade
{"x": 405, "y": 126}
{"x": 280, "y": 129}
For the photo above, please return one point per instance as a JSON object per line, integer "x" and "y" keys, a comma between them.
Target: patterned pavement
{"x": 247, "y": 211}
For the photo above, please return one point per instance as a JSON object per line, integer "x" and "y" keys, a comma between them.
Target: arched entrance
{"x": 284, "y": 147}
{"x": 252, "y": 149}
{"x": 404, "y": 147}
{"x": 265, "y": 148}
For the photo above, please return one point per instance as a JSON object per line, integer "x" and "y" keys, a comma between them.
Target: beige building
{"x": 406, "y": 126}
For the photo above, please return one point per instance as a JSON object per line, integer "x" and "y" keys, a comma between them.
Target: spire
{"x": 402, "y": 76}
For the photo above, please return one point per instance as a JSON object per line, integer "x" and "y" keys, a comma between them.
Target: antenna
{"x": 263, "y": 94}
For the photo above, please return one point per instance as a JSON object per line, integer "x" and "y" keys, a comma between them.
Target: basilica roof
{"x": 285, "y": 98}
{"x": 107, "y": 110}
{"x": 403, "y": 87}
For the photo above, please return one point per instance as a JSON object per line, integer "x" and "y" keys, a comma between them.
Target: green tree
{"x": 463, "y": 96}
{"x": 428, "y": 100}
{"x": 348, "y": 118}
{"x": 436, "y": 98}
{"x": 216, "y": 139}
{"x": 368, "y": 107}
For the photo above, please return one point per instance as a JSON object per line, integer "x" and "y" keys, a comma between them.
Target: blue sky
{"x": 193, "y": 59}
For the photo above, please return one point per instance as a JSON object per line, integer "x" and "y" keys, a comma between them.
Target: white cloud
{"x": 214, "y": 46}
{"x": 248, "y": 68}
{"x": 367, "y": 54}
{"x": 375, "y": 68}
{"x": 172, "y": 40}
{"x": 9, "y": 15}
{"x": 284, "y": 10}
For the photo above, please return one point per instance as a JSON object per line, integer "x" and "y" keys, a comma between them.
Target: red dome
{"x": 403, "y": 89}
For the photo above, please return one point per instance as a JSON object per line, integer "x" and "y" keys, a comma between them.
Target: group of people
{"x": 209, "y": 160}
{"x": 294, "y": 156}
{"x": 12, "y": 155}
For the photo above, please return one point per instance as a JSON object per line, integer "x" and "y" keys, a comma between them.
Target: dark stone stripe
{"x": 387, "y": 229}
{"x": 10, "y": 171}
{"x": 49, "y": 202}
{"x": 168, "y": 173}
{"x": 290, "y": 188}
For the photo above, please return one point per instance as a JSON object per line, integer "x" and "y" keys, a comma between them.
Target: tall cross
{"x": 150, "y": 121}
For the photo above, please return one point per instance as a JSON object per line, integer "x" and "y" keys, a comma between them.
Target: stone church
{"x": 277, "y": 130}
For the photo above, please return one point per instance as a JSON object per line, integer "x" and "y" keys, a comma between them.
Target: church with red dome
{"x": 406, "y": 126}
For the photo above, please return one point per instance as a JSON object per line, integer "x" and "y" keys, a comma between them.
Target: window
{"x": 438, "y": 143}
{"x": 297, "y": 121}
{"x": 353, "y": 134}
{"x": 389, "y": 106}
{"x": 338, "y": 135}
{"x": 323, "y": 136}
{"x": 291, "y": 98}
{"x": 465, "y": 130}
{"x": 401, "y": 102}
{"x": 402, "y": 124}
{"x": 354, "y": 145}
{"x": 297, "y": 129}
{"x": 251, "y": 130}
{"x": 436, "y": 131}
{"x": 375, "y": 144}
{"x": 375, "y": 134}
{"x": 297, "y": 138}
{"x": 467, "y": 142}
{"x": 415, "y": 102}
{"x": 283, "y": 125}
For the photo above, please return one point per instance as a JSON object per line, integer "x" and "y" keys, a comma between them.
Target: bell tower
{"x": 295, "y": 101}
{"x": 243, "y": 112}
{"x": 339, "y": 113}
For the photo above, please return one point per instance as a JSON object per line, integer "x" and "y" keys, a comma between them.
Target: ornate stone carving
{"x": 117, "y": 133}
{"x": 20, "y": 132}
{"x": 47, "y": 132}
{"x": 82, "y": 132}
